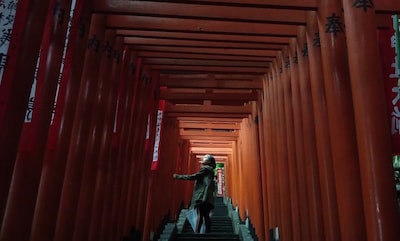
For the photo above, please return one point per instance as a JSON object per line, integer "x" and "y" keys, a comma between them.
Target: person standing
{"x": 203, "y": 192}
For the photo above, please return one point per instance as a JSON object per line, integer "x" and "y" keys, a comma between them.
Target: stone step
{"x": 210, "y": 236}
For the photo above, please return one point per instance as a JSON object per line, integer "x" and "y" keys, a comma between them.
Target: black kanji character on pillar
{"x": 364, "y": 4}
{"x": 334, "y": 25}
{"x": 82, "y": 29}
{"x": 94, "y": 43}
{"x": 59, "y": 13}
{"x": 287, "y": 62}
{"x": 146, "y": 79}
{"x": 316, "y": 40}
{"x": 117, "y": 56}
{"x": 304, "y": 51}
{"x": 108, "y": 49}
{"x": 295, "y": 58}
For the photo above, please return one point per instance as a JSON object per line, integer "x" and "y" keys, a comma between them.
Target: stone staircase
{"x": 221, "y": 226}
{"x": 225, "y": 225}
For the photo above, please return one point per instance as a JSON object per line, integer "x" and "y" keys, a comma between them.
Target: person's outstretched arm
{"x": 203, "y": 171}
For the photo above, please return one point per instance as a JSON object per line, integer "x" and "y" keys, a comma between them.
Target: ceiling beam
{"x": 197, "y": 125}
{"x": 211, "y": 149}
{"x": 205, "y": 50}
{"x": 289, "y": 4}
{"x": 229, "y": 84}
{"x": 203, "y": 36}
{"x": 206, "y": 115}
{"x": 209, "y": 62}
{"x": 243, "y": 77}
{"x": 210, "y": 119}
{"x": 205, "y": 56}
{"x": 170, "y": 95}
{"x": 208, "y": 69}
{"x": 251, "y": 10}
{"x": 198, "y": 26}
{"x": 209, "y": 133}
{"x": 204, "y": 143}
{"x": 200, "y": 43}
{"x": 223, "y": 63}
{"x": 209, "y": 138}
{"x": 202, "y": 11}
{"x": 247, "y": 109}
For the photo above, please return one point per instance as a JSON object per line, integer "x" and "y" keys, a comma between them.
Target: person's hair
{"x": 211, "y": 160}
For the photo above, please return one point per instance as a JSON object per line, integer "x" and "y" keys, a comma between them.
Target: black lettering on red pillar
{"x": 334, "y": 25}
{"x": 364, "y": 4}
{"x": 94, "y": 43}
{"x": 316, "y": 40}
{"x": 304, "y": 51}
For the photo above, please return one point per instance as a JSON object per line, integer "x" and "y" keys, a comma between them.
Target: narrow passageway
{"x": 102, "y": 101}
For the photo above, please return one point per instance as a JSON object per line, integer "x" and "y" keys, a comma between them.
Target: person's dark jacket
{"x": 204, "y": 186}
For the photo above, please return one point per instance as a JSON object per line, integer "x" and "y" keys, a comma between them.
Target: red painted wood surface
{"x": 342, "y": 129}
{"x": 326, "y": 182}
{"x": 16, "y": 84}
{"x": 80, "y": 135}
{"x": 373, "y": 134}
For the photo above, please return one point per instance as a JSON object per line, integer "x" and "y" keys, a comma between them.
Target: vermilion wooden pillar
{"x": 151, "y": 109}
{"x": 16, "y": 84}
{"x": 18, "y": 217}
{"x": 93, "y": 161}
{"x": 106, "y": 168}
{"x": 327, "y": 181}
{"x": 60, "y": 131}
{"x": 136, "y": 174}
{"x": 126, "y": 116}
{"x": 125, "y": 92}
{"x": 269, "y": 211}
{"x": 241, "y": 187}
{"x": 253, "y": 174}
{"x": 310, "y": 152}
{"x": 297, "y": 135}
{"x": 265, "y": 139}
{"x": 141, "y": 172}
{"x": 239, "y": 175}
{"x": 80, "y": 132}
{"x": 132, "y": 159}
{"x": 232, "y": 172}
{"x": 373, "y": 135}
{"x": 291, "y": 149}
{"x": 341, "y": 120}
{"x": 275, "y": 207}
{"x": 149, "y": 149}
{"x": 123, "y": 164}
{"x": 281, "y": 154}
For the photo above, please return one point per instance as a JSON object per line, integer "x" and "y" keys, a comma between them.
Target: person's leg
{"x": 204, "y": 212}
{"x": 199, "y": 219}
{"x": 207, "y": 219}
